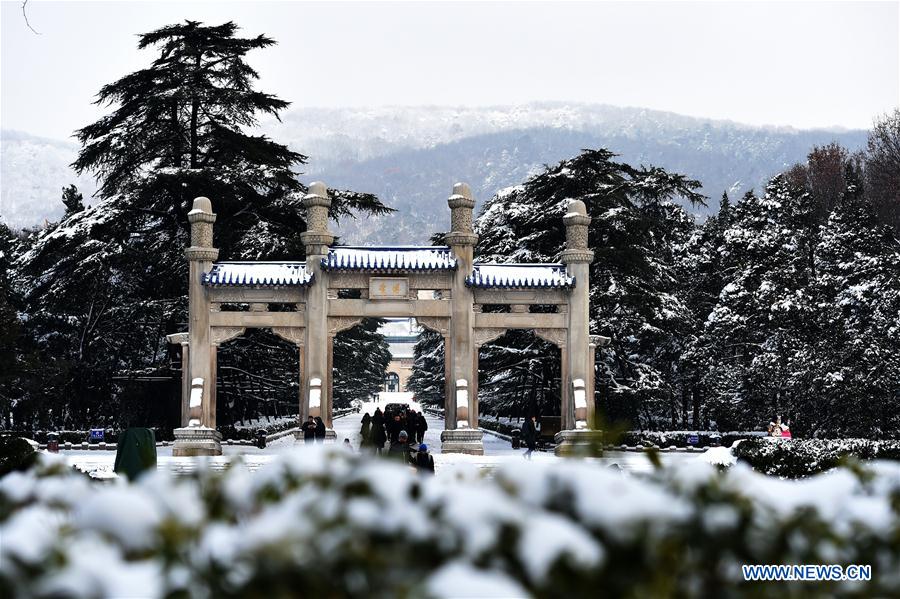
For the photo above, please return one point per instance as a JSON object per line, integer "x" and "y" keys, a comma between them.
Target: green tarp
{"x": 136, "y": 452}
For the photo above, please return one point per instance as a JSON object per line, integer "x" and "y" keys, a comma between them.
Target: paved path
{"x": 496, "y": 451}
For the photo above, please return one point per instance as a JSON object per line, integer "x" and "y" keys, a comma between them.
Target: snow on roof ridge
{"x": 257, "y": 274}
{"x": 523, "y": 276}
{"x": 389, "y": 258}
{"x": 377, "y": 248}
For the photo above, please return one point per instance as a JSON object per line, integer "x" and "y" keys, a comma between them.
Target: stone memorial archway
{"x": 442, "y": 287}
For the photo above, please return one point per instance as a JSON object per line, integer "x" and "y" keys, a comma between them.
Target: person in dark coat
{"x": 412, "y": 426}
{"x": 529, "y": 436}
{"x": 400, "y": 449}
{"x": 365, "y": 432}
{"x": 394, "y": 426}
{"x": 320, "y": 430}
{"x": 309, "y": 430}
{"x": 423, "y": 426}
{"x": 423, "y": 460}
{"x": 379, "y": 436}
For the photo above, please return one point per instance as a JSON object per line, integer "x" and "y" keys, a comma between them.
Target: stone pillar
{"x": 328, "y": 392}
{"x": 214, "y": 386}
{"x": 317, "y": 239}
{"x": 464, "y": 436}
{"x": 202, "y": 439}
{"x": 591, "y": 399}
{"x": 449, "y": 412}
{"x": 200, "y": 256}
{"x": 185, "y": 382}
{"x": 303, "y": 409}
{"x": 580, "y": 369}
{"x": 183, "y": 340}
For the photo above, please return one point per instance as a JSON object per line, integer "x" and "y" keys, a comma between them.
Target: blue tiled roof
{"x": 520, "y": 276}
{"x": 389, "y": 259}
{"x": 257, "y": 274}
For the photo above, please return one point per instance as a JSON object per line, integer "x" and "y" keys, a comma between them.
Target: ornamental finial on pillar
{"x": 576, "y": 221}
{"x": 317, "y": 238}
{"x": 202, "y": 218}
{"x": 461, "y": 205}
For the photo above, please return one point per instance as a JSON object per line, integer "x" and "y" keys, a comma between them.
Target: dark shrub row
{"x": 798, "y": 458}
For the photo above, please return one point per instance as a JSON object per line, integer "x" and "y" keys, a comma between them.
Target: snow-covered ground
{"x": 350, "y": 526}
{"x": 497, "y": 451}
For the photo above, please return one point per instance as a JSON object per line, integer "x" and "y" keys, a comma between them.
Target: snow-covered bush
{"x": 797, "y": 458}
{"x": 15, "y": 454}
{"x": 319, "y": 522}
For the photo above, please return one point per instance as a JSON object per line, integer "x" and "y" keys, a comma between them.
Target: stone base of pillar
{"x": 197, "y": 441}
{"x": 579, "y": 443}
{"x": 462, "y": 440}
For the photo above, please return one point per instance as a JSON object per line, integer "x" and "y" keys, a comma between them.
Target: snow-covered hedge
{"x": 247, "y": 432}
{"x": 796, "y": 458}
{"x": 110, "y": 435}
{"x": 319, "y": 522}
{"x": 643, "y": 438}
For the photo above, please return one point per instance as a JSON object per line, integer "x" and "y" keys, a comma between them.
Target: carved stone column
{"x": 580, "y": 369}
{"x": 463, "y": 402}
{"x": 316, "y": 240}
{"x": 203, "y": 439}
{"x": 200, "y": 256}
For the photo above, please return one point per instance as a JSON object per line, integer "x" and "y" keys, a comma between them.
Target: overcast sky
{"x": 804, "y": 64}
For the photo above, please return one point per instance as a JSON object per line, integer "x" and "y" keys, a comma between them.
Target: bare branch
{"x": 26, "y": 18}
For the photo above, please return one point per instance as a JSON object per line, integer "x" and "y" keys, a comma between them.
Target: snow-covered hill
{"x": 33, "y": 171}
{"x": 410, "y": 156}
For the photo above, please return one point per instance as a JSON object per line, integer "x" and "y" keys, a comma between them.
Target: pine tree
{"x": 427, "y": 378}
{"x": 10, "y": 328}
{"x": 361, "y": 357}
{"x": 702, "y": 274}
{"x": 106, "y": 284}
{"x": 635, "y": 231}
{"x": 852, "y": 373}
{"x": 763, "y": 315}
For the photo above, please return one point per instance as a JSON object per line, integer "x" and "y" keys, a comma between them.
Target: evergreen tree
{"x": 427, "y": 378}
{"x": 702, "y": 273}
{"x": 361, "y": 357}
{"x": 762, "y": 316}
{"x": 635, "y": 233}
{"x": 106, "y": 284}
{"x": 10, "y": 329}
{"x": 853, "y": 372}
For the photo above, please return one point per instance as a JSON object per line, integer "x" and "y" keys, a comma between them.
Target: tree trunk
{"x": 195, "y": 111}
{"x": 695, "y": 396}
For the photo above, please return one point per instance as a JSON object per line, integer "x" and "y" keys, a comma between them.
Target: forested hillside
{"x": 785, "y": 302}
{"x": 409, "y": 155}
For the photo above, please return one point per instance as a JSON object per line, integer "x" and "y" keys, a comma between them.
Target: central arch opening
{"x": 258, "y": 381}
{"x": 519, "y": 375}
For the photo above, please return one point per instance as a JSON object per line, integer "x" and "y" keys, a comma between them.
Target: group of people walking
{"x": 376, "y": 430}
{"x": 404, "y": 432}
